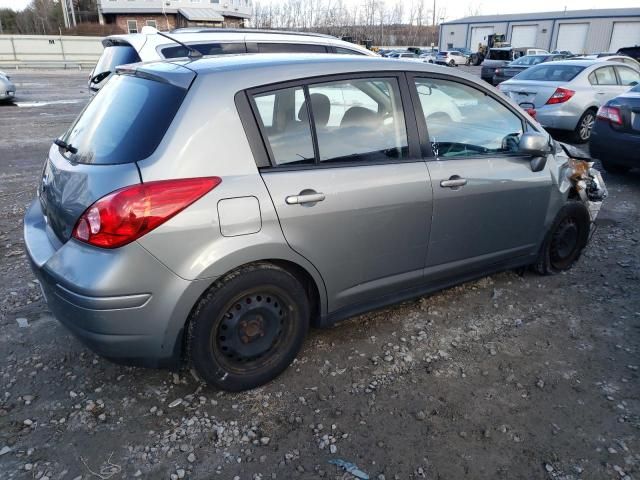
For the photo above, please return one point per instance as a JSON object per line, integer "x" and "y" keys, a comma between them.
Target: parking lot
{"x": 514, "y": 376}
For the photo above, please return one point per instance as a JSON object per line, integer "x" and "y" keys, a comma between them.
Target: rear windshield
{"x": 499, "y": 55}
{"x": 529, "y": 60}
{"x": 113, "y": 56}
{"x": 548, "y": 72}
{"x": 124, "y": 122}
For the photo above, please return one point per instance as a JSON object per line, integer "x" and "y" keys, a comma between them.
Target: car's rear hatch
{"x": 629, "y": 105}
{"x": 122, "y": 124}
{"x": 520, "y": 91}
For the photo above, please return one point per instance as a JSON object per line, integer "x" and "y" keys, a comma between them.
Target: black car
{"x": 633, "y": 52}
{"x": 505, "y": 73}
{"x": 615, "y": 138}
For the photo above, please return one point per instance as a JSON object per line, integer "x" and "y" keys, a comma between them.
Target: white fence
{"x": 23, "y": 51}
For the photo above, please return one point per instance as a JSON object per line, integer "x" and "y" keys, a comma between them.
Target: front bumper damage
{"x": 585, "y": 181}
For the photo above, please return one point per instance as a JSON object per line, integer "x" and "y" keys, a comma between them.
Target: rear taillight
{"x": 129, "y": 213}
{"x": 561, "y": 95}
{"x": 610, "y": 113}
{"x": 531, "y": 112}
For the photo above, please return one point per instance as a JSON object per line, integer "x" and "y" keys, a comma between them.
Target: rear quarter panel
{"x": 207, "y": 138}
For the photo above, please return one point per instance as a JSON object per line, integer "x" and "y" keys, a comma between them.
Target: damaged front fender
{"x": 582, "y": 181}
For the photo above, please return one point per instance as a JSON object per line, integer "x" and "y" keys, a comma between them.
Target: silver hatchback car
{"x": 210, "y": 211}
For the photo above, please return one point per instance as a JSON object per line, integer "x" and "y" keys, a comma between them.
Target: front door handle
{"x": 454, "y": 182}
{"x": 304, "y": 197}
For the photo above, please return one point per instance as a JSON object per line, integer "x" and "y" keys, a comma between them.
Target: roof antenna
{"x": 193, "y": 53}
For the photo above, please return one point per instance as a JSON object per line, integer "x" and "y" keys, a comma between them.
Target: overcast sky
{"x": 459, "y": 8}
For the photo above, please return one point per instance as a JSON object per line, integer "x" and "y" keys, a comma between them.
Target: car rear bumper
{"x": 560, "y": 116}
{"x": 612, "y": 146}
{"x": 7, "y": 94}
{"x": 123, "y": 304}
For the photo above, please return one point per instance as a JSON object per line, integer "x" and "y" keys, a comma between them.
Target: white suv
{"x": 151, "y": 45}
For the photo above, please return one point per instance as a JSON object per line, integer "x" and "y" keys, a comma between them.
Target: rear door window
{"x": 290, "y": 48}
{"x": 124, "y": 122}
{"x": 359, "y": 120}
{"x": 355, "y": 120}
{"x": 605, "y": 76}
{"x": 213, "y": 48}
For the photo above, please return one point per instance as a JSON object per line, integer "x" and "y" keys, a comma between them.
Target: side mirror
{"x": 535, "y": 144}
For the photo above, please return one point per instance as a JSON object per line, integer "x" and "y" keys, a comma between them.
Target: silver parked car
{"x": 7, "y": 88}
{"x": 210, "y": 211}
{"x": 568, "y": 93}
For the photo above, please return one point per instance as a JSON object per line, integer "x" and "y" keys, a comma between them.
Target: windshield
{"x": 114, "y": 56}
{"x": 549, "y": 72}
{"x": 529, "y": 60}
{"x": 124, "y": 122}
{"x": 499, "y": 54}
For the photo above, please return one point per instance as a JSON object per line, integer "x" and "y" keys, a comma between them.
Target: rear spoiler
{"x": 165, "y": 72}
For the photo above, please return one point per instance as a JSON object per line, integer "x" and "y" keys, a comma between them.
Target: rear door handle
{"x": 454, "y": 182}
{"x": 304, "y": 198}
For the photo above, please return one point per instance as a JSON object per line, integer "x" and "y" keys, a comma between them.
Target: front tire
{"x": 582, "y": 133}
{"x": 248, "y": 328}
{"x": 566, "y": 239}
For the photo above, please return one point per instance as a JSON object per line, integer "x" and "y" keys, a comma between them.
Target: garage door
{"x": 625, "y": 34}
{"x": 479, "y": 35}
{"x": 524, "y": 35}
{"x": 572, "y": 37}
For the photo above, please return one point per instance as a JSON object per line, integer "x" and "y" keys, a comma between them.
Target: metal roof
{"x": 568, "y": 14}
{"x": 201, "y": 15}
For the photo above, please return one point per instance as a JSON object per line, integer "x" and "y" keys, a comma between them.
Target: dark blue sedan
{"x": 615, "y": 138}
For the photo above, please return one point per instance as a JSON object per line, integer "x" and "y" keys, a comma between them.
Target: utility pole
{"x": 73, "y": 13}
{"x": 434, "y": 13}
{"x": 65, "y": 13}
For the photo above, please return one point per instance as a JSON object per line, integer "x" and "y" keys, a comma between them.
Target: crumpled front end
{"x": 583, "y": 181}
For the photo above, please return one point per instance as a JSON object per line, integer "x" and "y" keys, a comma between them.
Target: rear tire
{"x": 613, "y": 168}
{"x": 452, "y": 63}
{"x": 582, "y": 133}
{"x": 565, "y": 240}
{"x": 248, "y": 327}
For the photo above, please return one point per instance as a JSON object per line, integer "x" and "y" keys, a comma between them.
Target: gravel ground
{"x": 509, "y": 377}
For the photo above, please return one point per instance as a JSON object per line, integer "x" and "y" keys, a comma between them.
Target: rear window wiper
{"x": 67, "y": 146}
{"x": 100, "y": 76}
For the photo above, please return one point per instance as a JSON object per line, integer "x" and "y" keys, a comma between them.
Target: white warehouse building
{"x": 579, "y": 31}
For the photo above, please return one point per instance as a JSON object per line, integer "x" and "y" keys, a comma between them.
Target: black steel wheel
{"x": 565, "y": 240}
{"x": 248, "y": 328}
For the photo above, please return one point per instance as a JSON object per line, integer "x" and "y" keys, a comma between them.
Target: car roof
{"x": 195, "y": 35}
{"x": 580, "y": 62}
{"x": 287, "y": 64}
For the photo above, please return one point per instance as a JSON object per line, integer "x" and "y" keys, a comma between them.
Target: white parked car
{"x": 151, "y": 45}
{"x": 453, "y": 58}
{"x": 611, "y": 58}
